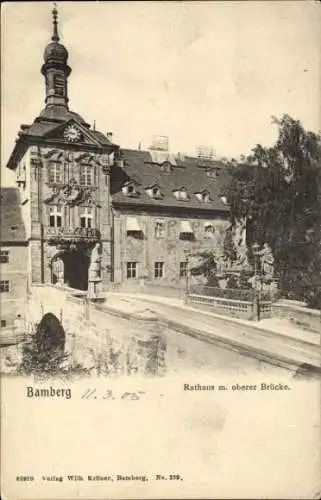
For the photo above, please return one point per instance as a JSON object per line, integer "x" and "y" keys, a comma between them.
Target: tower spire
{"x": 55, "y": 36}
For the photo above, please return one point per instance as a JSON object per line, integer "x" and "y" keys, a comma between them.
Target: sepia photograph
{"x": 160, "y": 250}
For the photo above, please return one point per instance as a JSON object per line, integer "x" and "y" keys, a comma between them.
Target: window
{"x": 130, "y": 190}
{"x": 154, "y": 192}
{"x": 3, "y": 323}
{"x": 208, "y": 231}
{"x": 131, "y": 270}
{"x": 186, "y": 231}
{"x": 159, "y": 270}
{"x": 181, "y": 195}
{"x": 4, "y": 286}
{"x": 86, "y": 175}
{"x": 183, "y": 269}
{"x": 86, "y": 217}
{"x": 212, "y": 172}
{"x": 55, "y": 216}
{"x": 203, "y": 196}
{"x": 55, "y": 172}
{"x": 59, "y": 84}
{"x": 159, "y": 230}
{"x": 166, "y": 167}
{"x": 4, "y": 257}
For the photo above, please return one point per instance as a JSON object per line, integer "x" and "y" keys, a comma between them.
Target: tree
{"x": 278, "y": 189}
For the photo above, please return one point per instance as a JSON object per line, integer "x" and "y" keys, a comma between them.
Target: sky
{"x": 201, "y": 73}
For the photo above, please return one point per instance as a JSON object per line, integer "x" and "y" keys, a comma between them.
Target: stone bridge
{"x": 125, "y": 333}
{"x": 104, "y": 336}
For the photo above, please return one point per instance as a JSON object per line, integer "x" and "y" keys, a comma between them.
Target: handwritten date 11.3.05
{"x": 108, "y": 394}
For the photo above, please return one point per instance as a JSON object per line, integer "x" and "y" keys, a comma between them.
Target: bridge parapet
{"x": 113, "y": 337}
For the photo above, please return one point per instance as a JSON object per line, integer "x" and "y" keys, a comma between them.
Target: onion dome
{"x": 55, "y": 51}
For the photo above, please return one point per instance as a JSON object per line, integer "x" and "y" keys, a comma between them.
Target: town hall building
{"x": 95, "y": 213}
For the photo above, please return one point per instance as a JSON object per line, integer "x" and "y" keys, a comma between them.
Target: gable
{"x": 72, "y": 132}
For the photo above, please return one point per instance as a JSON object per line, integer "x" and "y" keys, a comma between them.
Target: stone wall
{"x": 98, "y": 337}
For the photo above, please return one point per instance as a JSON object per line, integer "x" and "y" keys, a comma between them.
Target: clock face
{"x": 72, "y": 134}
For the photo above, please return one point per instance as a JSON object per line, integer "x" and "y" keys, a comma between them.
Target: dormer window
{"x": 181, "y": 194}
{"x": 166, "y": 167}
{"x": 154, "y": 192}
{"x": 212, "y": 173}
{"x": 129, "y": 189}
{"x": 203, "y": 196}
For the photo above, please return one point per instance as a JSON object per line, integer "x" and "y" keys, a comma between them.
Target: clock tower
{"x": 63, "y": 168}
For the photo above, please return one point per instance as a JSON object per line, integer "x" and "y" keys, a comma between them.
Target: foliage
{"x": 207, "y": 267}
{"x": 278, "y": 189}
{"x": 41, "y": 362}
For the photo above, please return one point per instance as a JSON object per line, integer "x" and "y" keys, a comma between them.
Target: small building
{"x": 13, "y": 263}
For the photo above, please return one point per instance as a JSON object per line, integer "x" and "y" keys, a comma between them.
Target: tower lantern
{"x": 55, "y": 69}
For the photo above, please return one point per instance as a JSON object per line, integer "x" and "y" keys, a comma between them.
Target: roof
{"x": 44, "y": 126}
{"x": 12, "y": 226}
{"x": 188, "y": 173}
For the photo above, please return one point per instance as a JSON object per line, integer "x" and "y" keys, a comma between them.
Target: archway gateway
{"x": 70, "y": 268}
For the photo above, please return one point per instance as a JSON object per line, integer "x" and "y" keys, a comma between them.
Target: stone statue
{"x": 239, "y": 241}
{"x": 95, "y": 264}
{"x": 221, "y": 260}
{"x": 267, "y": 261}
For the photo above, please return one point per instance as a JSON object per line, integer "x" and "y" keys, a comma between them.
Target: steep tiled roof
{"x": 12, "y": 226}
{"x": 188, "y": 173}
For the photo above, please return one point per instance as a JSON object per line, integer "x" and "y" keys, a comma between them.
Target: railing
{"x": 232, "y": 301}
{"x": 72, "y": 233}
{"x": 232, "y": 307}
{"x": 224, "y": 293}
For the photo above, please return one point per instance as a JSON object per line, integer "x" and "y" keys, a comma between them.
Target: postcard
{"x": 160, "y": 250}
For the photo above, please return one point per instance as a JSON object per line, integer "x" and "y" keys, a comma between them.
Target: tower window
{"x": 55, "y": 216}
{"x": 55, "y": 172}
{"x": 59, "y": 85}
{"x": 4, "y": 257}
{"x": 86, "y": 217}
{"x": 86, "y": 175}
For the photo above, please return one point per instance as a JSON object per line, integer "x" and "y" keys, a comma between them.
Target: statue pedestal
{"x": 94, "y": 288}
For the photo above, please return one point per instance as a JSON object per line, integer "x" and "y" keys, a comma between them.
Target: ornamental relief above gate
{"x": 71, "y": 194}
